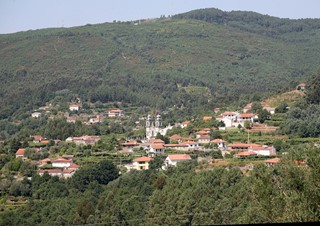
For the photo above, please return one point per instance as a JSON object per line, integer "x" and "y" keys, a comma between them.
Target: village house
{"x": 36, "y": 114}
{"x": 238, "y": 146}
{"x": 115, "y": 113}
{"x": 204, "y": 139}
{"x": 44, "y": 108}
{"x": 95, "y": 120}
{"x": 222, "y": 144}
{"x": 206, "y": 118}
{"x": 184, "y": 124}
{"x": 156, "y": 149}
{"x": 20, "y": 153}
{"x": 271, "y": 110}
{"x": 273, "y": 161}
{"x": 129, "y": 145}
{"x": 247, "y": 108}
{"x": 176, "y": 137}
{"x": 141, "y": 163}
{"x": 244, "y": 154}
{"x": 301, "y": 87}
{"x": 263, "y": 150}
{"x": 74, "y": 107}
{"x": 84, "y": 140}
{"x": 216, "y": 110}
{"x": 230, "y": 119}
{"x": 43, "y": 162}
{"x": 202, "y": 132}
{"x": 191, "y": 145}
{"x": 178, "y": 147}
{"x": 62, "y": 173}
{"x": 62, "y": 163}
{"x": 174, "y": 159}
{"x": 241, "y": 118}
{"x": 74, "y": 167}
{"x": 37, "y": 138}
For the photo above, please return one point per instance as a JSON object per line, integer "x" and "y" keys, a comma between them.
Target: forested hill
{"x": 159, "y": 63}
{"x": 253, "y": 22}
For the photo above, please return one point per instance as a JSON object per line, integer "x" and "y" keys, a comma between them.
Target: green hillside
{"x": 238, "y": 57}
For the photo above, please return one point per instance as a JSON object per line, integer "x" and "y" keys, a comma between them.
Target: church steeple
{"x": 148, "y": 121}
{"x": 158, "y": 122}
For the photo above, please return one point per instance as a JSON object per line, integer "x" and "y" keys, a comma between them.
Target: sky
{"x": 23, "y": 15}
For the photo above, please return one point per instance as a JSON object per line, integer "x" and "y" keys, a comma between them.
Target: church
{"x": 155, "y": 127}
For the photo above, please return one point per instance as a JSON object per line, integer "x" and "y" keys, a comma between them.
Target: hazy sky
{"x": 22, "y": 15}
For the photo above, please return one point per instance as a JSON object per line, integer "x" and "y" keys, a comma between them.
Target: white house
{"x": 61, "y": 163}
{"x": 20, "y": 153}
{"x": 263, "y": 150}
{"x": 184, "y": 124}
{"x": 191, "y": 145}
{"x": 301, "y": 86}
{"x": 84, "y": 140}
{"x": 230, "y": 119}
{"x": 115, "y": 113}
{"x": 222, "y": 144}
{"x": 202, "y": 133}
{"x": 156, "y": 149}
{"x": 241, "y": 118}
{"x": 63, "y": 173}
{"x": 179, "y": 147}
{"x": 36, "y": 114}
{"x": 269, "y": 109}
{"x": 74, "y": 107}
{"x": 174, "y": 159}
{"x": 204, "y": 139}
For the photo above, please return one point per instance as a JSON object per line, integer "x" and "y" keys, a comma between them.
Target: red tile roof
{"x": 62, "y": 160}
{"x": 186, "y": 123}
{"x": 239, "y": 144}
{"x": 245, "y": 153}
{"x": 247, "y": 115}
{"x": 131, "y": 143}
{"x": 189, "y": 142}
{"x": 156, "y": 141}
{"x": 202, "y": 132}
{"x": 143, "y": 159}
{"x": 273, "y": 161}
{"x": 115, "y": 111}
{"x": 228, "y": 113}
{"x": 204, "y": 137}
{"x": 176, "y": 145}
{"x": 157, "y": 146}
{"x": 20, "y": 151}
{"x": 37, "y": 137}
{"x": 179, "y": 157}
{"x": 175, "y": 137}
{"x": 73, "y": 166}
{"x": 218, "y": 141}
{"x": 302, "y": 84}
{"x": 45, "y": 160}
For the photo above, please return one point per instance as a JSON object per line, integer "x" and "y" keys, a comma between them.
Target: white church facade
{"x": 155, "y": 127}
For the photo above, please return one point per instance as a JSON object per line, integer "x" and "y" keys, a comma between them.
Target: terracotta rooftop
{"x": 143, "y": 159}
{"x": 247, "y": 115}
{"x": 20, "y": 151}
{"x": 245, "y": 153}
{"x": 62, "y": 160}
{"x": 179, "y": 157}
{"x": 218, "y": 141}
{"x": 273, "y": 161}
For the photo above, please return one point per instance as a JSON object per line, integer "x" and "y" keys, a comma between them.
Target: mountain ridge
{"x": 142, "y": 64}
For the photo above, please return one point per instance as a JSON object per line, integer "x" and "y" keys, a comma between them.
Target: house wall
{"x": 61, "y": 164}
